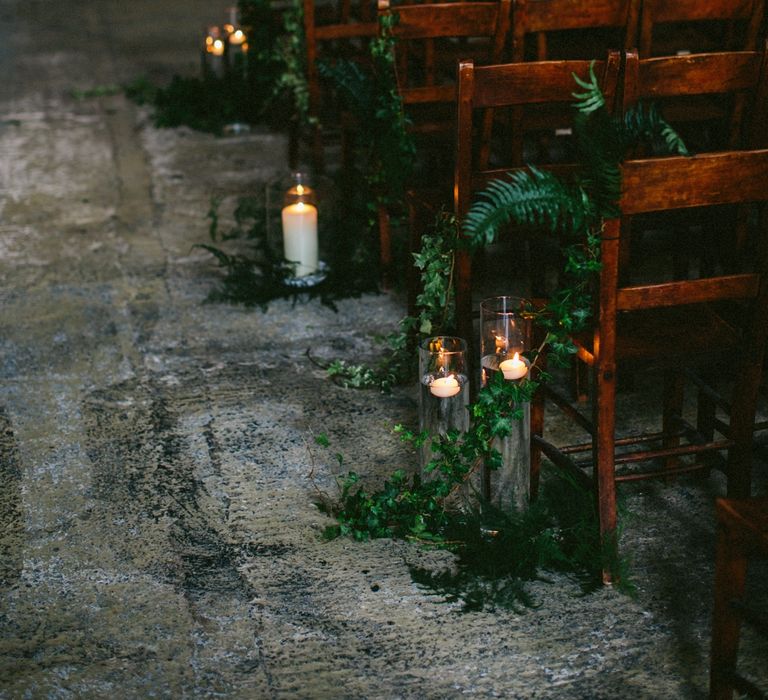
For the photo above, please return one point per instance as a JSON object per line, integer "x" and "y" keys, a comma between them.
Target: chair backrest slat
{"x": 660, "y": 184}
{"x": 698, "y": 291}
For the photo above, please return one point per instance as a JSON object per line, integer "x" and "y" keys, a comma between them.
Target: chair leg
{"x": 742, "y": 427}
{"x": 537, "y": 428}
{"x": 604, "y": 455}
{"x": 730, "y": 575}
{"x": 706, "y": 408}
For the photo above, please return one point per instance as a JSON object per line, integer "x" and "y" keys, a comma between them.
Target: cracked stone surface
{"x": 158, "y": 536}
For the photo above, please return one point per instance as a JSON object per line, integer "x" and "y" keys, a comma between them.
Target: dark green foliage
{"x": 412, "y": 507}
{"x": 497, "y": 551}
{"x": 204, "y": 104}
{"x": 386, "y": 147}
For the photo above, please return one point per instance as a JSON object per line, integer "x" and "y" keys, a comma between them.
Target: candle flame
{"x": 516, "y": 357}
{"x": 299, "y": 189}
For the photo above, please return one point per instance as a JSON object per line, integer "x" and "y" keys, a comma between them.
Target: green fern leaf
{"x": 530, "y": 197}
{"x": 592, "y": 98}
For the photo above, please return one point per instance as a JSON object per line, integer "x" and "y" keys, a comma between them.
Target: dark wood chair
{"x": 571, "y": 29}
{"x": 742, "y": 536}
{"x": 699, "y": 26}
{"x": 331, "y": 31}
{"x": 672, "y": 325}
{"x": 545, "y": 30}
{"x": 431, "y": 38}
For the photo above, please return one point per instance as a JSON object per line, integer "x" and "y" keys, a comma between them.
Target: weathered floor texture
{"x": 158, "y": 536}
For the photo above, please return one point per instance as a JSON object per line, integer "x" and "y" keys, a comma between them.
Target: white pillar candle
{"x": 300, "y": 237}
{"x": 514, "y": 368}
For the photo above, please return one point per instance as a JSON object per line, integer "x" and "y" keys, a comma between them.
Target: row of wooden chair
{"x": 433, "y": 35}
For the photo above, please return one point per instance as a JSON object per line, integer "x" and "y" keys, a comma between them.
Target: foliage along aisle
{"x": 551, "y": 533}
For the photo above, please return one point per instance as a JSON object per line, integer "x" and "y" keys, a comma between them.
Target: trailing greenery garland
{"x": 386, "y": 147}
{"x": 575, "y": 210}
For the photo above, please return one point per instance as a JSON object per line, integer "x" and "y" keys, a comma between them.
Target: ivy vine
{"x": 575, "y": 210}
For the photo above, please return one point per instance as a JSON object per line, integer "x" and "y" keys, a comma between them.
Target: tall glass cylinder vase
{"x": 505, "y": 334}
{"x": 443, "y": 391}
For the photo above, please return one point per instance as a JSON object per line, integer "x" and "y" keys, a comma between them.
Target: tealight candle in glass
{"x": 299, "y": 217}
{"x": 505, "y": 334}
{"x": 213, "y": 53}
{"x": 443, "y": 390}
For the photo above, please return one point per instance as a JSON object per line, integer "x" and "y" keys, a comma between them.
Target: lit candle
{"x": 445, "y": 387}
{"x": 514, "y": 368}
{"x": 237, "y": 37}
{"x": 217, "y": 47}
{"x": 501, "y": 345}
{"x": 300, "y": 237}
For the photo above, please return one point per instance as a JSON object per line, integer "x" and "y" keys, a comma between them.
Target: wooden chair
{"x": 571, "y": 29}
{"x": 671, "y": 325}
{"x": 562, "y": 30}
{"x": 330, "y": 34}
{"x": 699, "y": 26}
{"x": 742, "y": 535}
{"x": 431, "y": 37}
{"x": 734, "y": 25}
{"x": 738, "y": 82}
{"x": 496, "y": 87}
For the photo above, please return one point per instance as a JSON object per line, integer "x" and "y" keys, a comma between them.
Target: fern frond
{"x": 644, "y": 123}
{"x": 592, "y": 98}
{"x": 529, "y": 197}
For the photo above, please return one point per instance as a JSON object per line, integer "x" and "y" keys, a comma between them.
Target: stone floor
{"x": 158, "y": 535}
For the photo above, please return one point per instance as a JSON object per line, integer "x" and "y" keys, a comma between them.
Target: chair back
{"x": 511, "y": 85}
{"x": 688, "y": 21}
{"x": 738, "y": 79}
{"x": 470, "y": 29}
{"x": 680, "y": 183}
{"x": 617, "y": 20}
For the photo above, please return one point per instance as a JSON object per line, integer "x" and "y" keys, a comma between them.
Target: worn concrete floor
{"x": 157, "y": 531}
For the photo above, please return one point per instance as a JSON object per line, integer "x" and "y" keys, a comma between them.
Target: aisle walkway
{"x": 157, "y": 531}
